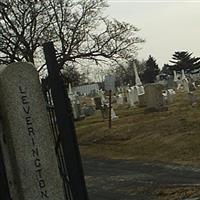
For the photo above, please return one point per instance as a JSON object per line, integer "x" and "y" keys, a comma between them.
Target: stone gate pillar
{"x": 26, "y": 138}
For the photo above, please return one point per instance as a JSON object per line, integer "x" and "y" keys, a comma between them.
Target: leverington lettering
{"x": 35, "y": 152}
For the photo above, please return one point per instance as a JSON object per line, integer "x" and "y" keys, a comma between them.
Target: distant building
{"x": 86, "y": 89}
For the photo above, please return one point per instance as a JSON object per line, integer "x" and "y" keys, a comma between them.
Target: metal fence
{"x": 55, "y": 132}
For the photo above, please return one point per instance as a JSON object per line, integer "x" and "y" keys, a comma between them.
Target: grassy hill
{"x": 168, "y": 136}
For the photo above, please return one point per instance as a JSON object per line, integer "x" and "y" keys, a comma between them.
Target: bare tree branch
{"x": 78, "y": 29}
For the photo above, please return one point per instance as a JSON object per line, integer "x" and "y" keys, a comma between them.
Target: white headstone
{"x": 133, "y": 95}
{"x": 140, "y": 90}
{"x": 184, "y": 82}
{"x": 113, "y": 114}
{"x": 183, "y": 75}
{"x": 137, "y": 78}
{"x": 128, "y": 96}
{"x": 70, "y": 89}
{"x": 175, "y": 76}
{"x": 170, "y": 95}
{"x": 120, "y": 99}
{"x": 101, "y": 95}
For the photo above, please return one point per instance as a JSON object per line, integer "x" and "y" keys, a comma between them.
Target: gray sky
{"x": 166, "y": 25}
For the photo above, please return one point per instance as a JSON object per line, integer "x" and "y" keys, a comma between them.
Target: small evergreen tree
{"x": 151, "y": 71}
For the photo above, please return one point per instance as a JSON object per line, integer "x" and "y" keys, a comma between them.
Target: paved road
{"x": 130, "y": 180}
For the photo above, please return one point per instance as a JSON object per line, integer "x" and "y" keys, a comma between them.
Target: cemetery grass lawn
{"x": 171, "y": 136}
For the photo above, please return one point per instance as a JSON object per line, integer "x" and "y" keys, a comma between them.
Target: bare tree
{"x": 77, "y": 27}
{"x": 22, "y": 30}
{"x": 125, "y": 73}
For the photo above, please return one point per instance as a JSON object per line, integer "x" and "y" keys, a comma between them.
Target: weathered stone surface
{"x": 153, "y": 96}
{"x": 133, "y": 97}
{"x": 28, "y": 146}
{"x": 142, "y": 100}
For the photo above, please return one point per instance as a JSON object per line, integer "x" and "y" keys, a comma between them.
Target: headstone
{"x": 164, "y": 93}
{"x": 175, "y": 80}
{"x": 170, "y": 95}
{"x": 113, "y": 114}
{"x": 119, "y": 89}
{"x": 26, "y": 138}
{"x": 183, "y": 74}
{"x": 128, "y": 96}
{"x": 154, "y": 97}
{"x": 70, "y": 89}
{"x": 179, "y": 84}
{"x": 134, "y": 96}
{"x": 104, "y": 111}
{"x": 125, "y": 93}
{"x": 170, "y": 83}
{"x": 75, "y": 103}
{"x": 76, "y": 106}
{"x": 120, "y": 99}
{"x": 140, "y": 90}
{"x": 137, "y": 78}
{"x": 175, "y": 76}
{"x": 191, "y": 84}
{"x": 101, "y": 95}
{"x": 185, "y": 84}
{"x": 142, "y": 100}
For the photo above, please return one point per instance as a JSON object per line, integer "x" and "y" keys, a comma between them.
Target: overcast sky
{"x": 166, "y": 25}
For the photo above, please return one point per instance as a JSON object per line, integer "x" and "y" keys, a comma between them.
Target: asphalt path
{"x": 131, "y": 180}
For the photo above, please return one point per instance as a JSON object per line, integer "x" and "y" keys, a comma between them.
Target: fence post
{"x": 66, "y": 126}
